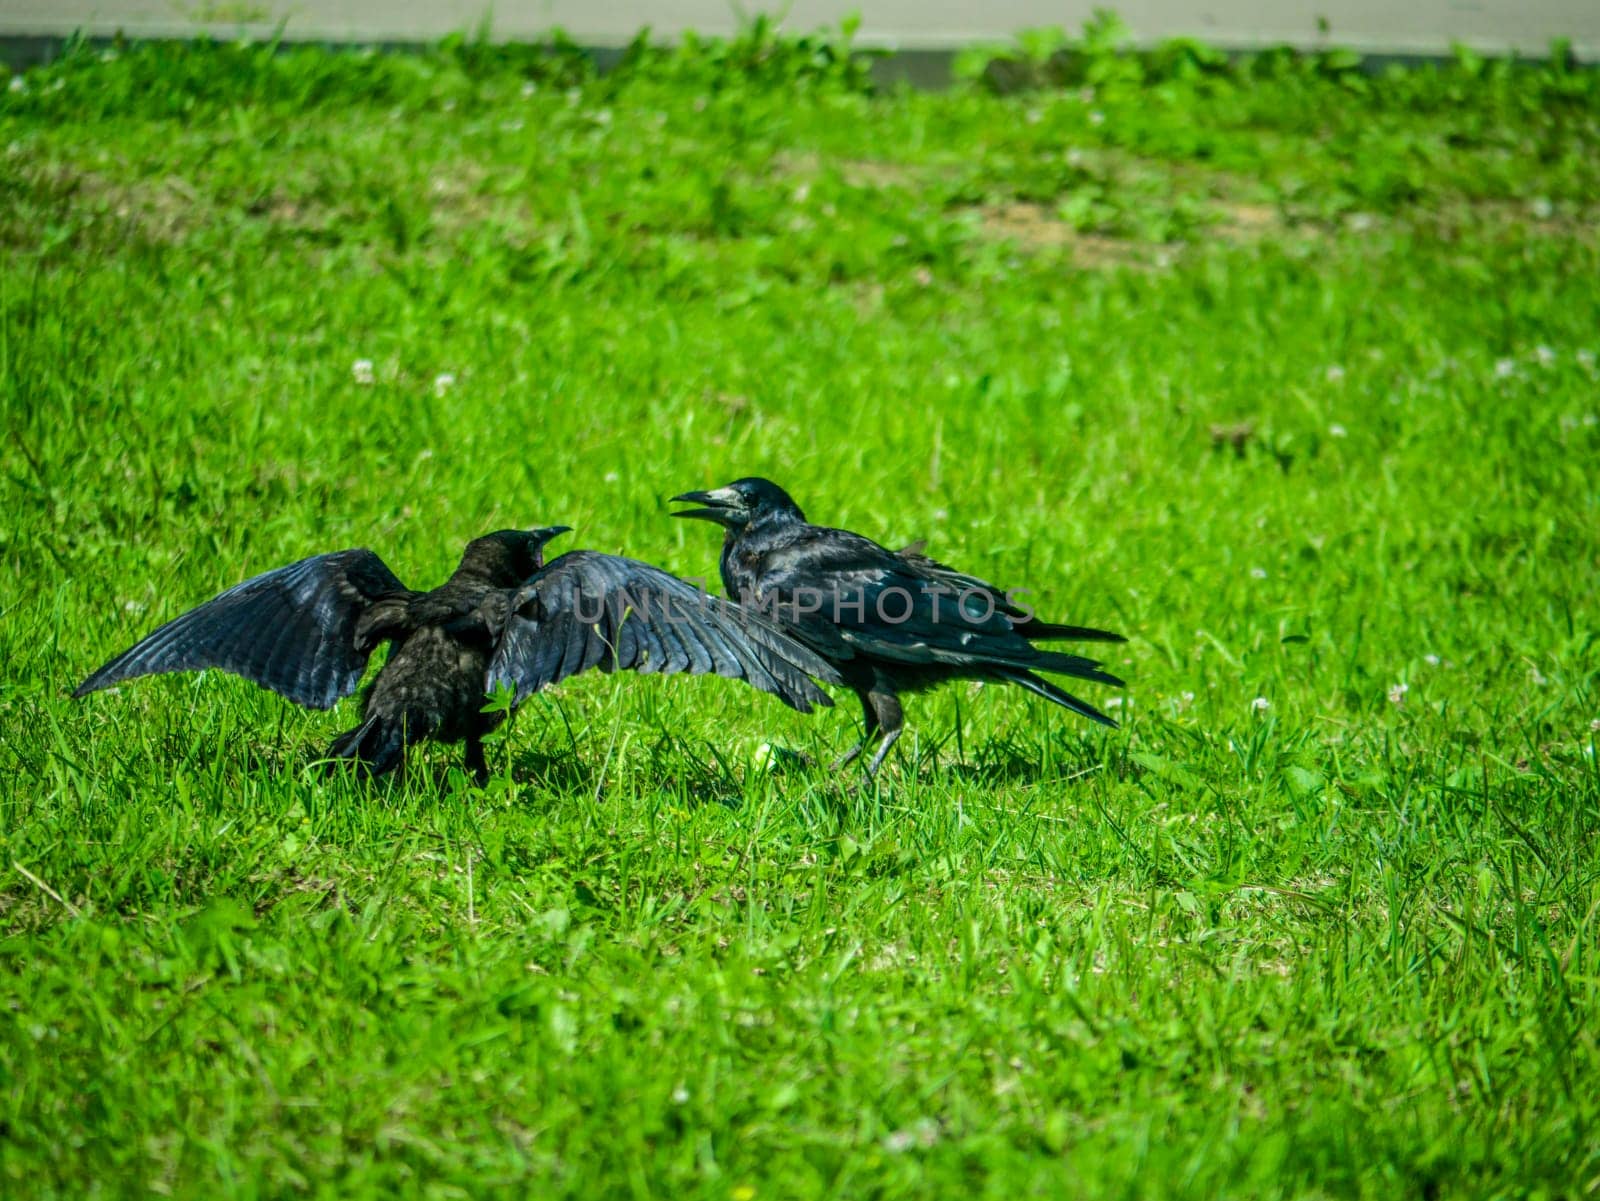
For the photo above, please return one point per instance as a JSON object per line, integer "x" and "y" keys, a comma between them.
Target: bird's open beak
{"x": 543, "y": 534}
{"x": 715, "y": 504}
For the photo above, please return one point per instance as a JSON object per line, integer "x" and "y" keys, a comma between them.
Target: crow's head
{"x": 507, "y": 557}
{"x": 741, "y": 503}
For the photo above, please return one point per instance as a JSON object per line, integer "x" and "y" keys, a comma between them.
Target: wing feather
{"x": 624, "y": 614}
{"x": 903, "y": 607}
{"x": 292, "y": 630}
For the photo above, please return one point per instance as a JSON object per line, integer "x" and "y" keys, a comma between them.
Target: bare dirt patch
{"x": 168, "y": 209}
{"x": 1035, "y": 227}
{"x": 1567, "y": 222}
{"x": 1241, "y": 221}
{"x": 160, "y": 209}
{"x": 858, "y": 173}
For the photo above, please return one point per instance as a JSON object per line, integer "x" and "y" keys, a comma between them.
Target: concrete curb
{"x": 921, "y": 68}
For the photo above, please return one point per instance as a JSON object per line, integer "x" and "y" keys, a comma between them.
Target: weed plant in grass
{"x": 1284, "y": 369}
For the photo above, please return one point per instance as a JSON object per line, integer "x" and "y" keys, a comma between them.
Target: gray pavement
{"x": 1403, "y": 27}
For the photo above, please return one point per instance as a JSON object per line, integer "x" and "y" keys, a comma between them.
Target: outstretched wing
{"x": 587, "y": 609}
{"x": 292, "y": 630}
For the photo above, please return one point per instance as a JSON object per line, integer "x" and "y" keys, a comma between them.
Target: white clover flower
{"x": 1096, "y": 117}
{"x": 680, "y": 1094}
{"x": 1261, "y": 704}
{"x": 362, "y": 370}
{"x": 1504, "y": 368}
{"x": 1431, "y": 660}
{"x": 18, "y": 84}
{"x": 528, "y": 89}
{"x": 1545, "y": 355}
{"x": 924, "y": 1132}
{"x": 1585, "y": 359}
{"x": 1337, "y": 431}
{"x": 1335, "y": 374}
{"x": 1116, "y": 702}
{"x": 1258, "y": 573}
{"x": 1541, "y": 208}
{"x": 612, "y": 477}
{"x": 603, "y": 117}
{"x": 1033, "y": 116}
{"x": 1397, "y": 693}
{"x": 443, "y": 382}
{"x": 801, "y": 192}
{"x": 1594, "y": 726}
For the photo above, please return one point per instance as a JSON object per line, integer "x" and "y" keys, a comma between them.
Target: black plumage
{"x": 889, "y": 621}
{"x": 307, "y": 630}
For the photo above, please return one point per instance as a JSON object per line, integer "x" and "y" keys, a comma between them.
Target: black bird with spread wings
{"x": 505, "y": 617}
{"x": 888, "y": 621}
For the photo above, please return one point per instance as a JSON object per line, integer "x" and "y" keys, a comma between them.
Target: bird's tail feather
{"x": 1050, "y": 692}
{"x": 378, "y": 744}
{"x": 1035, "y": 630}
{"x": 1073, "y": 665}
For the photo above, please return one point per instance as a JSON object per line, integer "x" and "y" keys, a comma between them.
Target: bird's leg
{"x": 853, "y": 753}
{"x": 475, "y": 761}
{"x": 887, "y": 714}
{"x": 870, "y": 718}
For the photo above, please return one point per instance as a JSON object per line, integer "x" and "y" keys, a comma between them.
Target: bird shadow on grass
{"x": 559, "y": 771}
{"x": 693, "y": 775}
{"x": 421, "y": 773}
{"x": 698, "y": 774}
{"x": 344, "y": 778}
{"x": 1008, "y": 760}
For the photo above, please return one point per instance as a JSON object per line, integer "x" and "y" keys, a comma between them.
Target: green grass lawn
{"x": 1287, "y": 371}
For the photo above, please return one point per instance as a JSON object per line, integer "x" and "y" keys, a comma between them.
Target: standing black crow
{"x": 504, "y": 617}
{"x": 890, "y": 622}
